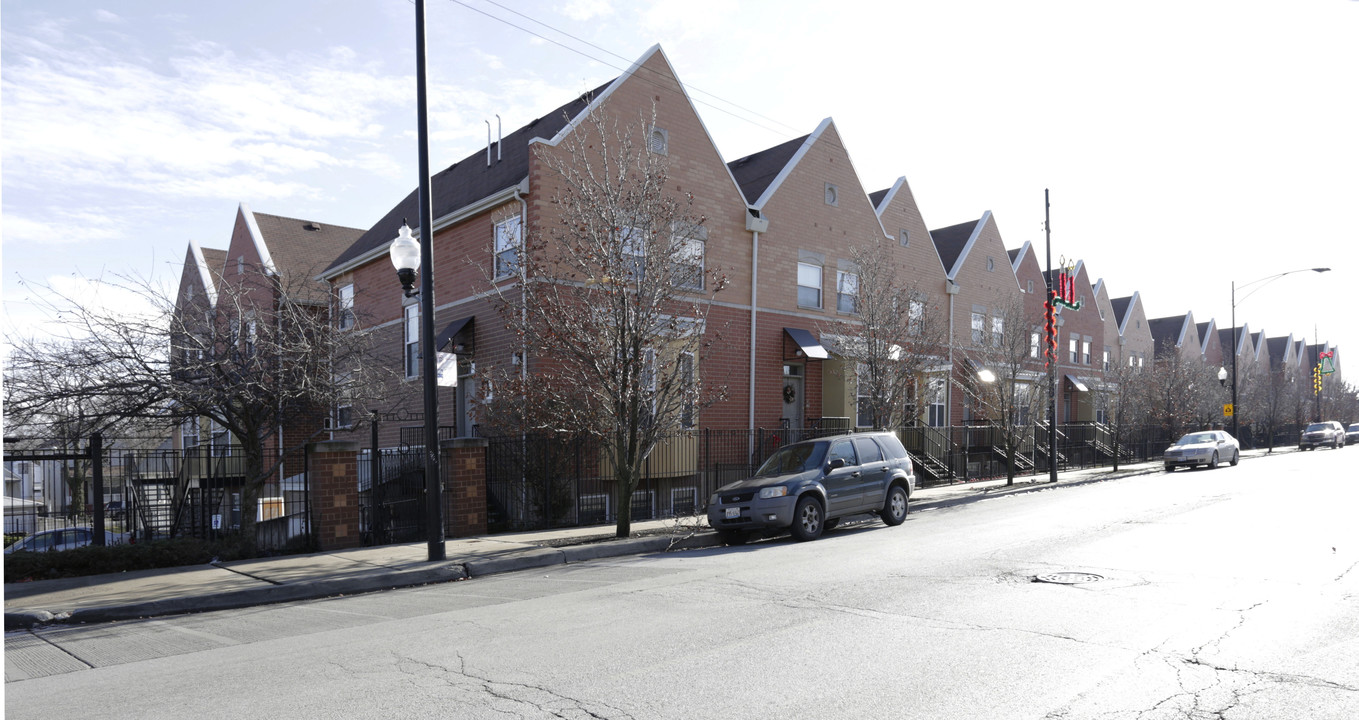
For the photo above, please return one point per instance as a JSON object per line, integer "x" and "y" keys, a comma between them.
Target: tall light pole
{"x": 407, "y": 263}
{"x": 1052, "y": 366}
{"x": 1261, "y": 282}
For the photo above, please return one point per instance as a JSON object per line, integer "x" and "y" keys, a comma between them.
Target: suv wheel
{"x": 895, "y": 507}
{"x": 808, "y": 519}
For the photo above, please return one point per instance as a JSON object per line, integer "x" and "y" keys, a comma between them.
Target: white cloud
{"x": 583, "y": 10}
{"x": 62, "y": 227}
{"x": 105, "y": 16}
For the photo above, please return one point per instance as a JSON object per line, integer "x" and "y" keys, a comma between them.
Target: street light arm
{"x": 1267, "y": 280}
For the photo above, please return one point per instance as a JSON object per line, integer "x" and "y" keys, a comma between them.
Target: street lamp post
{"x": 1265, "y": 280}
{"x": 408, "y": 262}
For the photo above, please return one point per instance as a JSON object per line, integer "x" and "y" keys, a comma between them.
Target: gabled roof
{"x": 755, "y": 173}
{"x": 951, "y": 242}
{"x": 1279, "y": 349}
{"x": 1170, "y": 331}
{"x": 300, "y": 248}
{"x": 470, "y": 180}
{"x": 1224, "y": 337}
{"x": 1205, "y": 330}
{"x": 1122, "y": 310}
{"x": 209, "y": 262}
{"x": 877, "y": 198}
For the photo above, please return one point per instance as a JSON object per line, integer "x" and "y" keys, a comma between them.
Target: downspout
{"x": 951, "y": 289}
{"x": 756, "y": 224}
{"x": 523, "y": 279}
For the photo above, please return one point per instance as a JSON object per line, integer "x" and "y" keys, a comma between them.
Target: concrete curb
{"x": 520, "y": 560}
{"x": 267, "y": 595}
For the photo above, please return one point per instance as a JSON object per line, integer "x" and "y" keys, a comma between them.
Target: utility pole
{"x": 1052, "y": 343}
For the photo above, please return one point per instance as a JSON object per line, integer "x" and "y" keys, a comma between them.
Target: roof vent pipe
{"x": 488, "y": 143}
{"x": 499, "y": 136}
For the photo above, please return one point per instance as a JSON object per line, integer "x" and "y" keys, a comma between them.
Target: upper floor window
{"x": 1106, "y": 358}
{"x": 411, "y": 331}
{"x": 990, "y": 264}
{"x": 632, "y": 243}
{"x": 1075, "y": 351}
{"x": 832, "y": 195}
{"x": 1030, "y": 287}
{"x": 978, "y": 328}
{"x": 1034, "y": 339}
{"x": 1085, "y": 352}
{"x": 509, "y": 239}
{"x": 916, "y": 320}
{"x": 808, "y": 285}
{"x": 691, "y": 242}
{"x": 346, "y": 306}
{"x": 846, "y": 292}
{"x": 660, "y": 141}
{"x": 904, "y": 237}
{"x": 997, "y": 330}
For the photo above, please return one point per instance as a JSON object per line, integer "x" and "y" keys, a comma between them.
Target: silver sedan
{"x": 1203, "y": 448}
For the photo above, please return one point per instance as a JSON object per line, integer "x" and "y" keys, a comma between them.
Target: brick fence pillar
{"x": 333, "y": 472}
{"x": 464, "y": 476}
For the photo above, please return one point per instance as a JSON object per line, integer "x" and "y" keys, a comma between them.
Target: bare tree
{"x": 1180, "y": 394}
{"x": 1006, "y": 381}
{"x": 612, "y": 305}
{"x": 893, "y": 338}
{"x": 265, "y": 362}
{"x": 1121, "y": 393}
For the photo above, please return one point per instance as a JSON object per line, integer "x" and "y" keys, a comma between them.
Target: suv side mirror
{"x": 835, "y": 464}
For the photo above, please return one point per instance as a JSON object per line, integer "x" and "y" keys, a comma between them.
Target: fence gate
{"x": 392, "y": 494}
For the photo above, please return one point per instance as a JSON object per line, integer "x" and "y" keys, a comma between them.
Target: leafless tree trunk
{"x": 1005, "y": 379}
{"x": 613, "y": 303}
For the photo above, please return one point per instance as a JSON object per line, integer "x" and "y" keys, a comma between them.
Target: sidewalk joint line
{"x": 253, "y": 577}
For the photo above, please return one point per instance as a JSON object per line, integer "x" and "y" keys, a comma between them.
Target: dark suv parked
{"x": 808, "y": 486}
{"x": 1321, "y": 434}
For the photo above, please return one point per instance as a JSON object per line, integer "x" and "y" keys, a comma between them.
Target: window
{"x": 863, "y": 400}
{"x": 997, "y": 330}
{"x": 660, "y": 141}
{"x": 633, "y": 245}
{"x": 250, "y": 337}
{"x": 1106, "y": 358}
{"x": 832, "y": 195}
{"x": 686, "y": 369}
{"x": 344, "y": 406}
{"x": 509, "y": 238}
{"x": 978, "y": 328}
{"x": 1030, "y": 286}
{"x": 843, "y": 450}
{"x": 1034, "y": 339}
{"x": 808, "y": 285}
{"x": 846, "y": 292}
{"x": 412, "y": 337}
{"x": 190, "y": 433}
{"x": 869, "y": 452}
{"x": 240, "y": 265}
{"x": 1075, "y": 351}
{"x": 990, "y": 264}
{"x": 905, "y": 237}
{"x": 916, "y": 321}
{"x": 691, "y": 243}
{"x": 935, "y": 412}
{"x": 346, "y": 307}
{"x": 1085, "y": 352}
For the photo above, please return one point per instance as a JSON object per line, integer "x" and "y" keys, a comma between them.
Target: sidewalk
{"x": 247, "y": 583}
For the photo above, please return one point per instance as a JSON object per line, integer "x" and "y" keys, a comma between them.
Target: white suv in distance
{"x": 1319, "y": 434}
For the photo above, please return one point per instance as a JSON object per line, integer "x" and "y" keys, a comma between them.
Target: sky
{"x": 1187, "y": 145}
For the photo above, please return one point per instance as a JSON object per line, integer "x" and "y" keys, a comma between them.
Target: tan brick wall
{"x": 334, "y": 494}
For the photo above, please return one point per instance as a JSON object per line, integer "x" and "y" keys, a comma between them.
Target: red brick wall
{"x": 334, "y": 494}
{"x": 464, "y": 476}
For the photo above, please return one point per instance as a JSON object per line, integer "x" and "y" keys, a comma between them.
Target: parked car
{"x": 809, "y": 486}
{"x": 63, "y": 539}
{"x": 1352, "y": 434}
{"x": 1319, "y": 434}
{"x": 1202, "y": 448}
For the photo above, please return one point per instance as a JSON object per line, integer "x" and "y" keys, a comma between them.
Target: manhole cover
{"x": 1069, "y": 578}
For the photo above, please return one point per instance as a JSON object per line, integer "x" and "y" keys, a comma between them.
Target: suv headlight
{"x": 773, "y": 492}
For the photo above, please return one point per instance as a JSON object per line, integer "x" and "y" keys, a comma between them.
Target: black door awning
{"x": 460, "y": 333}
{"x": 1076, "y": 383}
{"x": 808, "y": 345}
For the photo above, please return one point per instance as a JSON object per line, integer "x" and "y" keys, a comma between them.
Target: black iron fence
{"x": 541, "y": 481}
{"x": 137, "y": 495}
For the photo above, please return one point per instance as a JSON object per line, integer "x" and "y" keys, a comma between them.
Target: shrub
{"x": 93, "y": 560}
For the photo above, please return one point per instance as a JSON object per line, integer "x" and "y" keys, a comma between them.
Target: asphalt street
{"x": 1226, "y": 593}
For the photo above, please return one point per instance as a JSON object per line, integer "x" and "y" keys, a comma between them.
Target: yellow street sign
{"x": 1227, "y": 410}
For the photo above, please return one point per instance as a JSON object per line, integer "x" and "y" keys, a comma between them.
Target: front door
{"x": 792, "y": 396}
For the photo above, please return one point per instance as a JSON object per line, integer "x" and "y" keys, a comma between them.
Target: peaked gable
{"x": 952, "y": 242}
{"x": 756, "y": 172}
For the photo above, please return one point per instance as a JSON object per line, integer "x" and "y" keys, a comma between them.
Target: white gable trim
{"x": 889, "y": 197}
{"x": 792, "y": 162}
{"x": 266, "y": 260}
{"x": 967, "y": 248}
{"x": 204, "y": 272}
{"x": 1132, "y": 305}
